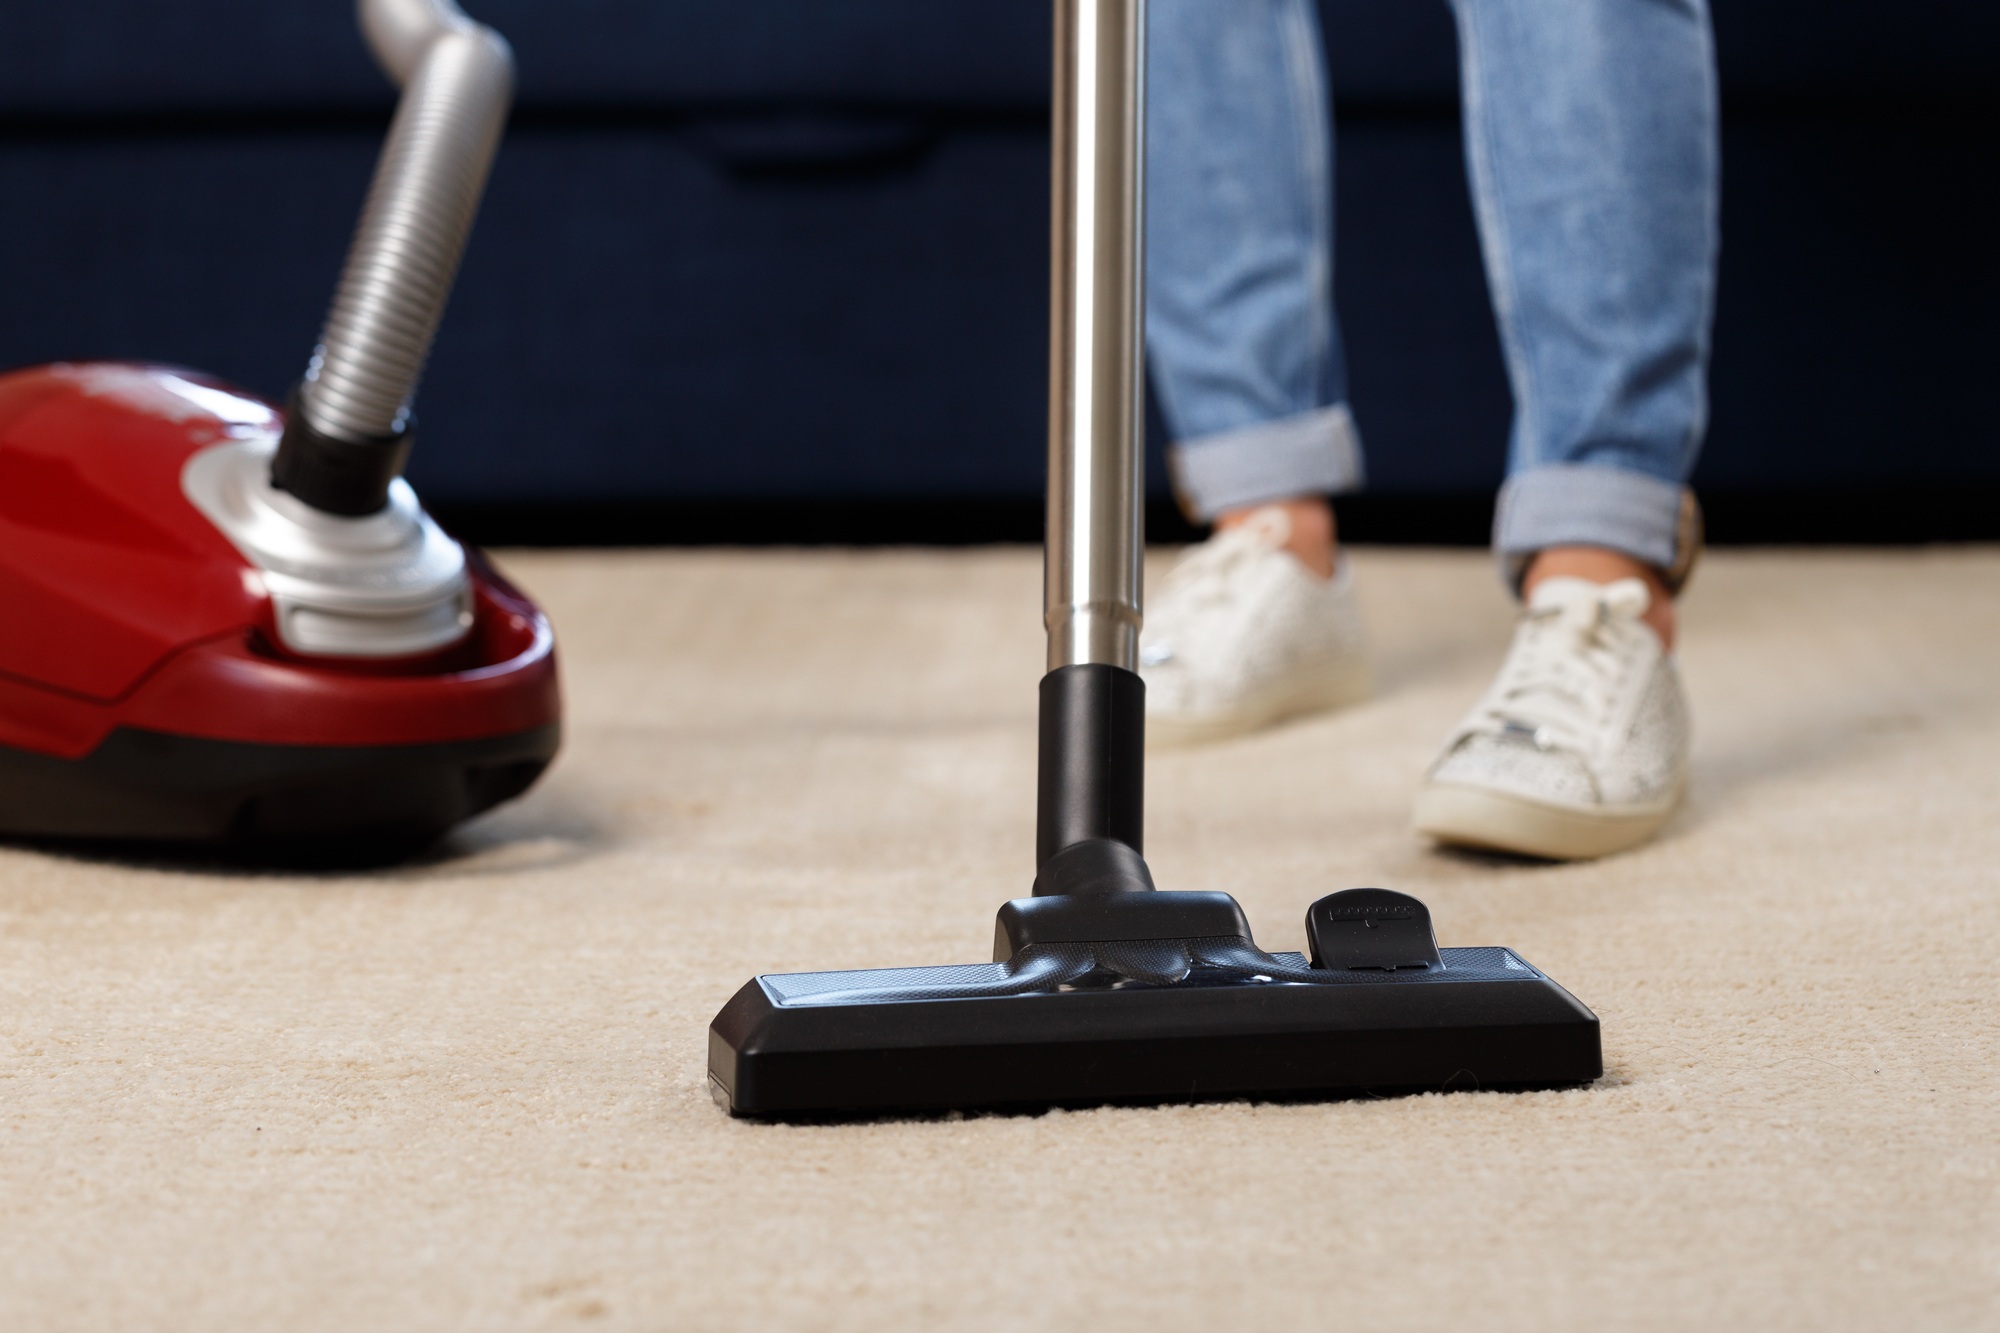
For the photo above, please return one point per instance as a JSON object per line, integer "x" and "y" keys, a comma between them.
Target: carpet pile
{"x": 469, "y": 1092}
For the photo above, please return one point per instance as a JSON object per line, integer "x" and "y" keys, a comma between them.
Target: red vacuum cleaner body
{"x": 147, "y": 687}
{"x": 220, "y": 621}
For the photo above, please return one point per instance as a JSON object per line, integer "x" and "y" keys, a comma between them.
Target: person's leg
{"x": 1255, "y": 624}
{"x": 1244, "y": 347}
{"x": 1591, "y": 141}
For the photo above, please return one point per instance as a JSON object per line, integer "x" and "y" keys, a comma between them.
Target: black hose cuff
{"x": 334, "y": 475}
{"x": 1093, "y": 759}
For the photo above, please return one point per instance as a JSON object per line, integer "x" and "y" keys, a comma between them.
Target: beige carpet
{"x": 470, "y": 1093}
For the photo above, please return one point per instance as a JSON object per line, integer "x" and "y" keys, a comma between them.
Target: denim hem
{"x": 1580, "y": 504}
{"x": 1315, "y": 453}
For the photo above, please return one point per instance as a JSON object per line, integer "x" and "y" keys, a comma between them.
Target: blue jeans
{"x": 1592, "y": 149}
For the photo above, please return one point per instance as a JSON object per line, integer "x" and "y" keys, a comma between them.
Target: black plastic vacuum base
{"x": 1068, "y": 1024}
{"x": 153, "y": 787}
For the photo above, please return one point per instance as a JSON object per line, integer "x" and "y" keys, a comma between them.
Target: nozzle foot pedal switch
{"x": 1372, "y": 930}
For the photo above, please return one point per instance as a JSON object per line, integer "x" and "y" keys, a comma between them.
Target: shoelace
{"x": 1203, "y": 576}
{"x": 1561, "y": 681}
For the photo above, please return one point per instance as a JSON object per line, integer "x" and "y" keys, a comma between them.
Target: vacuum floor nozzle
{"x": 1102, "y": 988}
{"x": 1099, "y": 999}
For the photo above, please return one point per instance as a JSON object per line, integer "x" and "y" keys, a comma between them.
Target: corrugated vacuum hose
{"x": 349, "y": 429}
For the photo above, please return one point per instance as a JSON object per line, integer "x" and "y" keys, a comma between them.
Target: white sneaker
{"x": 1243, "y": 635}
{"x": 1580, "y": 747}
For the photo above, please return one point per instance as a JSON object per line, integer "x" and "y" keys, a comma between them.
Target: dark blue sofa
{"x": 786, "y": 249}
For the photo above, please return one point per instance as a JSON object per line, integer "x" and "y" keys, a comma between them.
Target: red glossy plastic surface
{"x": 122, "y": 605}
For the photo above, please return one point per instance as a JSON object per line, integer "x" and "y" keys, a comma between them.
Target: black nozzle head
{"x": 1372, "y": 930}
{"x": 334, "y": 475}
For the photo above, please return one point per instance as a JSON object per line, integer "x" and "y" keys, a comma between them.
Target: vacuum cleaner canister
{"x": 227, "y": 623}
{"x": 197, "y": 655}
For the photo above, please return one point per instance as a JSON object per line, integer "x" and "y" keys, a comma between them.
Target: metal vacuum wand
{"x": 1096, "y": 299}
{"x": 1093, "y": 701}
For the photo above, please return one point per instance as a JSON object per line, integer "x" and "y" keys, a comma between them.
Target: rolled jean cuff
{"x": 1316, "y": 453}
{"x": 1576, "y": 504}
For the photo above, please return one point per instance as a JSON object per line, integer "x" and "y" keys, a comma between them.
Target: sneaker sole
{"x": 1500, "y": 821}
{"x": 1296, "y": 698}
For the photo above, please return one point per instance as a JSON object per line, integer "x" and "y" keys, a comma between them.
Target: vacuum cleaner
{"x": 227, "y": 622}
{"x": 1103, "y": 988}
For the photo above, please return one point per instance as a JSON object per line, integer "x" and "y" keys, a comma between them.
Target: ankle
{"x": 1597, "y": 564}
{"x": 1310, "y": 537}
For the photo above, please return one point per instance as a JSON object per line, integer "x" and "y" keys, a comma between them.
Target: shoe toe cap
{"x": 1530, "y": 771}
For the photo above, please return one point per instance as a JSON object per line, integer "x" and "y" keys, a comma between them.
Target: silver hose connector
{"x": 351, "y": 414}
